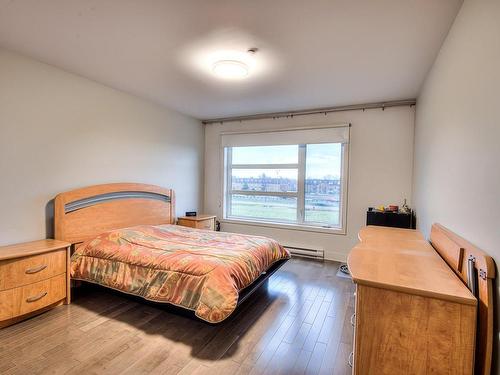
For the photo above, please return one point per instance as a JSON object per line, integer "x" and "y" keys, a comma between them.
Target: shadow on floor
{"x": 207, "y": 341}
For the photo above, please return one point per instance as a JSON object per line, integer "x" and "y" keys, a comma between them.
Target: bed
{"x": 123, "y": 238}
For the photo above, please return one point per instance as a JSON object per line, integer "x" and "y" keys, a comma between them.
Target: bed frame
{"x": 476, "y": 269}
{"x": 85, "y": 213}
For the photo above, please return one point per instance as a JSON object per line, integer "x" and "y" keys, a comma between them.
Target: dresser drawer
{"x": 31, "y": 269}
{"x": 23, "y": 300}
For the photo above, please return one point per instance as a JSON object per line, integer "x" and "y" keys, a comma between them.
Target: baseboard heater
{"x": 306, "y": 252}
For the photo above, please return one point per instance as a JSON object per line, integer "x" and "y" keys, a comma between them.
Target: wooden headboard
{"x": 84, "y": 213}
{"x": 456, "y": 252}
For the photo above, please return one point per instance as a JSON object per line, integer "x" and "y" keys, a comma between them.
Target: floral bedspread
{"x": 196, "y": 269}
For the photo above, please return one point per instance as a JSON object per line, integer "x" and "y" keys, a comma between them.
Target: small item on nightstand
{"x": 191, "y": 213}
{"x": 405, "y": 209}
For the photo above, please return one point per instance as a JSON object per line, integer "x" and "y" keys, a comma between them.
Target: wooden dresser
{"x": 199, "y": 222}
{"x": 34, "y": 277}
{"x": 413, "y": 315}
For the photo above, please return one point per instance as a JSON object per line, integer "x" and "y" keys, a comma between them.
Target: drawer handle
{"x": 350, "y": 359}
{"x": 36, "y": 269}
{"x": 36, "y": 298}
{"x": 353, "y": 317}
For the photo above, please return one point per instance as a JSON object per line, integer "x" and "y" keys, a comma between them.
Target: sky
{"x": 322, "y": 160}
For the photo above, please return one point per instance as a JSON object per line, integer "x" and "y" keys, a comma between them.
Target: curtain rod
{"x": 354, "y": 107}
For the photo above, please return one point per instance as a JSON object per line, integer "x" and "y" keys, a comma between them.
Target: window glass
{"x": 287, "y": 154}
{"x": 264, "y": 207}
{"x": 268, "y": 180}
{"x": 264, "y": 183}
{"x": 322, "y": 183}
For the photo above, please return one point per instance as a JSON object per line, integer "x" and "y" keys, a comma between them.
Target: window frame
{"x": 300, "y": 223}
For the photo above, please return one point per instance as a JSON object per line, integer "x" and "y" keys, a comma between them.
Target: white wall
{"x": 457, "y": 138}
{"x": 59, "y": 131}
{"x": 380, "y": 163}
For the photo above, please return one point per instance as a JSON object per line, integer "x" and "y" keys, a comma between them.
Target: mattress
{"x": 199, "y": 270}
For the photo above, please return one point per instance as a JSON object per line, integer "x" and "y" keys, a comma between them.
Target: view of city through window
{"x": 264, "y": 183}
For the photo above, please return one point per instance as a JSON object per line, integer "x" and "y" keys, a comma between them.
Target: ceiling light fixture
{"x": 230, "y": 69}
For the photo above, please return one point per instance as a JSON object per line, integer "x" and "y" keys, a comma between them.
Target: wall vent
{"x": 306, "y": 252}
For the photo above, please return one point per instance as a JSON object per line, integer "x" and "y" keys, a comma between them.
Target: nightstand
{"x": 199, "y": 222}
{"x": 34, "y": 277}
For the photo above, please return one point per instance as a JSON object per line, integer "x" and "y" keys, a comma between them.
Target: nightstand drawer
{"x": 31, "y": 269}
{"x": 26, "y": 299}
{"x": 206, "y": 224}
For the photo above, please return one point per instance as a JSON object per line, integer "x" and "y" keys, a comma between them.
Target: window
{"x": 302, "y": 183}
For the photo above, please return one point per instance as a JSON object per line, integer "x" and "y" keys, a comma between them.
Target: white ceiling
{"x": 312, "y": 53}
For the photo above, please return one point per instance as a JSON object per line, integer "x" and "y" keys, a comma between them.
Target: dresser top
{"x": 402, "y": 260}
{"x": 31, "y": 248}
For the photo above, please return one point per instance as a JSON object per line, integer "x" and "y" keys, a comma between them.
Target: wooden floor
{"x": 298, "y": 324}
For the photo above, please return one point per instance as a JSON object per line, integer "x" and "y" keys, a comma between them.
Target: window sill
{"x": 305, "y": 228}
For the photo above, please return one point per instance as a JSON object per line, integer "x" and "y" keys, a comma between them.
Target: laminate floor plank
{"x": 298, "y": 323}
{"x": 300, "y": 364}
{"x": 317, "y": 357}
{"x": 317, "y": 326}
